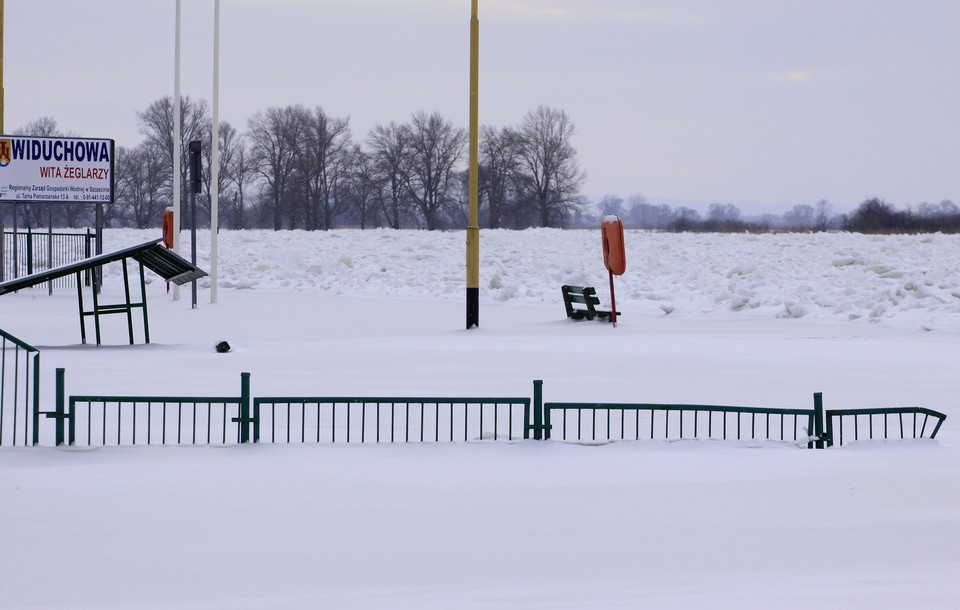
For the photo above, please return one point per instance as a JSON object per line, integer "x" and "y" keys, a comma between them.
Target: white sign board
{"x": 56, "y": 170}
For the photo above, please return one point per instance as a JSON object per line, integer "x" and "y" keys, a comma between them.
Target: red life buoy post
{"x": 167, "y": 228}
{"x": 614, "y": 255}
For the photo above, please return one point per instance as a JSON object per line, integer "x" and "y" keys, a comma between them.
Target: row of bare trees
{"x": 300, "y": 168}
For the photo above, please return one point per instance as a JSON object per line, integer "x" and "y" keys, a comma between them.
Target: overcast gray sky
{"x": 774, "y": 102}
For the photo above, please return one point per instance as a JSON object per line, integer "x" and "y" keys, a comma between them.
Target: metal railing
{"x": 19, "y": 391}
{"x": 222, "y": 420}
{"x": 27, "y": 252}
{"x": 601, "y": 422}
{"x": 388, "y": 419}
{"x": 886, "y": 423}
{"x": 152, "y": 420}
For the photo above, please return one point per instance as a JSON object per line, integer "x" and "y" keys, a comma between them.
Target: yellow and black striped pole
{"x": 473, "y": 227}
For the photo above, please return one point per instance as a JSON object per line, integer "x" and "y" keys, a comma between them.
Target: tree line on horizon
{"x": 299, "y": 168}
{"x": 873, "y": 215}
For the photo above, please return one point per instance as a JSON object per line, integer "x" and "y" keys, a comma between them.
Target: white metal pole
{"x": 176, "y": 147}
{"x": 215, "y": 155}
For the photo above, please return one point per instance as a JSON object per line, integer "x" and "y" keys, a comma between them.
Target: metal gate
{"x": 19, "y": 392}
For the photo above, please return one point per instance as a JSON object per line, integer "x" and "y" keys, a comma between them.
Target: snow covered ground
{"x": 719, "y": 319}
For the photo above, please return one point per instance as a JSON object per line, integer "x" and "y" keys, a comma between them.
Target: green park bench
{"x": 581, "y": 302}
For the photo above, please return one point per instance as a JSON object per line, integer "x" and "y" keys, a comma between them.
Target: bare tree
{"x": 551, "y": 174}
{"x": 34, "y": 215}
{"x": 499, "y": 158}
{"x": 723, "y": 212}
{"x": 389, "y": 159}
{"x": 436, "y": 146}
{"x": 320, "y": 147}
{"x": 156, "y": 125}
{"x": 611, "y": 205}
{"x": 141, "y": 181}
{"x": 240, "y": 171}
{"x": 645, "y": 215}
{"x": 800, "y": 216}
{"x": 361, "y": 188}
{"x": 821, "y": 221}
{"x": 933, "y": 210}
{"x": 230, "y": 141}
{"x": 43, "y": 127}
{"x": 273, "y": 155}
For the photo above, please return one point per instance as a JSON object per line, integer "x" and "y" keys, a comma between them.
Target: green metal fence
{"x": 19, "y": 391}
{"x": 388, "y": 419}
{"x": 100, "y": 420}
{"x": 622, "y": 421}
{"x": 874, "y": 424}
{"x": 220, "y": 420}
{"x": 27, "y": 252}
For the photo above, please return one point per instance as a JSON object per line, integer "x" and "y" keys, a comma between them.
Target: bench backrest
{"x": 581, "y": 295}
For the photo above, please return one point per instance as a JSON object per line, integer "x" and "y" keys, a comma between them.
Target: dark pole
{"x": 195, "y": 174}
{"x": 98, "y": 273}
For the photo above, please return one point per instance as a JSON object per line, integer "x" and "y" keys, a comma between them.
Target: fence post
{"x": 818, "y": 419}
{"x": 59, "y": 413}
{"x": 538, "y": 409}
{"x": 245, "y": 408}
{"x": 29, "y": 250}
{"x": 86, "y": 254}
{"x": 36, "y": 399}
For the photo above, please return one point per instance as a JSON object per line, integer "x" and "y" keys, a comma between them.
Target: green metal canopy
{"x": 153, "y": 255}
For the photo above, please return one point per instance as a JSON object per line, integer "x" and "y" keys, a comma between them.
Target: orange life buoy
{"x": 614, "y": 254}
{"x": 168, "y": 227}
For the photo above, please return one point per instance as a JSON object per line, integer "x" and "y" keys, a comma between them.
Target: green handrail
{"x": 29, "y": 383}
{"x": 834, "y": 433}
{"x": 680, "y": 409}
{"x": 435, "y": 418}
{"x": 386, "y": 418}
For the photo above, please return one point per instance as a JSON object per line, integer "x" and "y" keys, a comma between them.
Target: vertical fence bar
{"x": 86, "y": 254}
{"x": 29, "y": 250}
{"x": 829, "y": 428}
{"x": 818, "y": 419}
{"x": 539, "y": 417}
{"x": 256, "y": 422}
{"x": 59, "y": 410}
{"x": 244, "y": 420}
{"x": 16, "y": 245}
{"x": 3, "y": 382}
{"x": 36, "y": 400}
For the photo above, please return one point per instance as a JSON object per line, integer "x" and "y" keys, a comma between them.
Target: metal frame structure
{"x": 19, "y": 391}
{"x": 152, "y": 255}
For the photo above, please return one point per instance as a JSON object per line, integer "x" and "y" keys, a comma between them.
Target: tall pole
{"x": 473, "y": 227}
{"x": 175, "y": 137}
{"x": 196, "y": 171}
{"x": 215, "y": 155}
